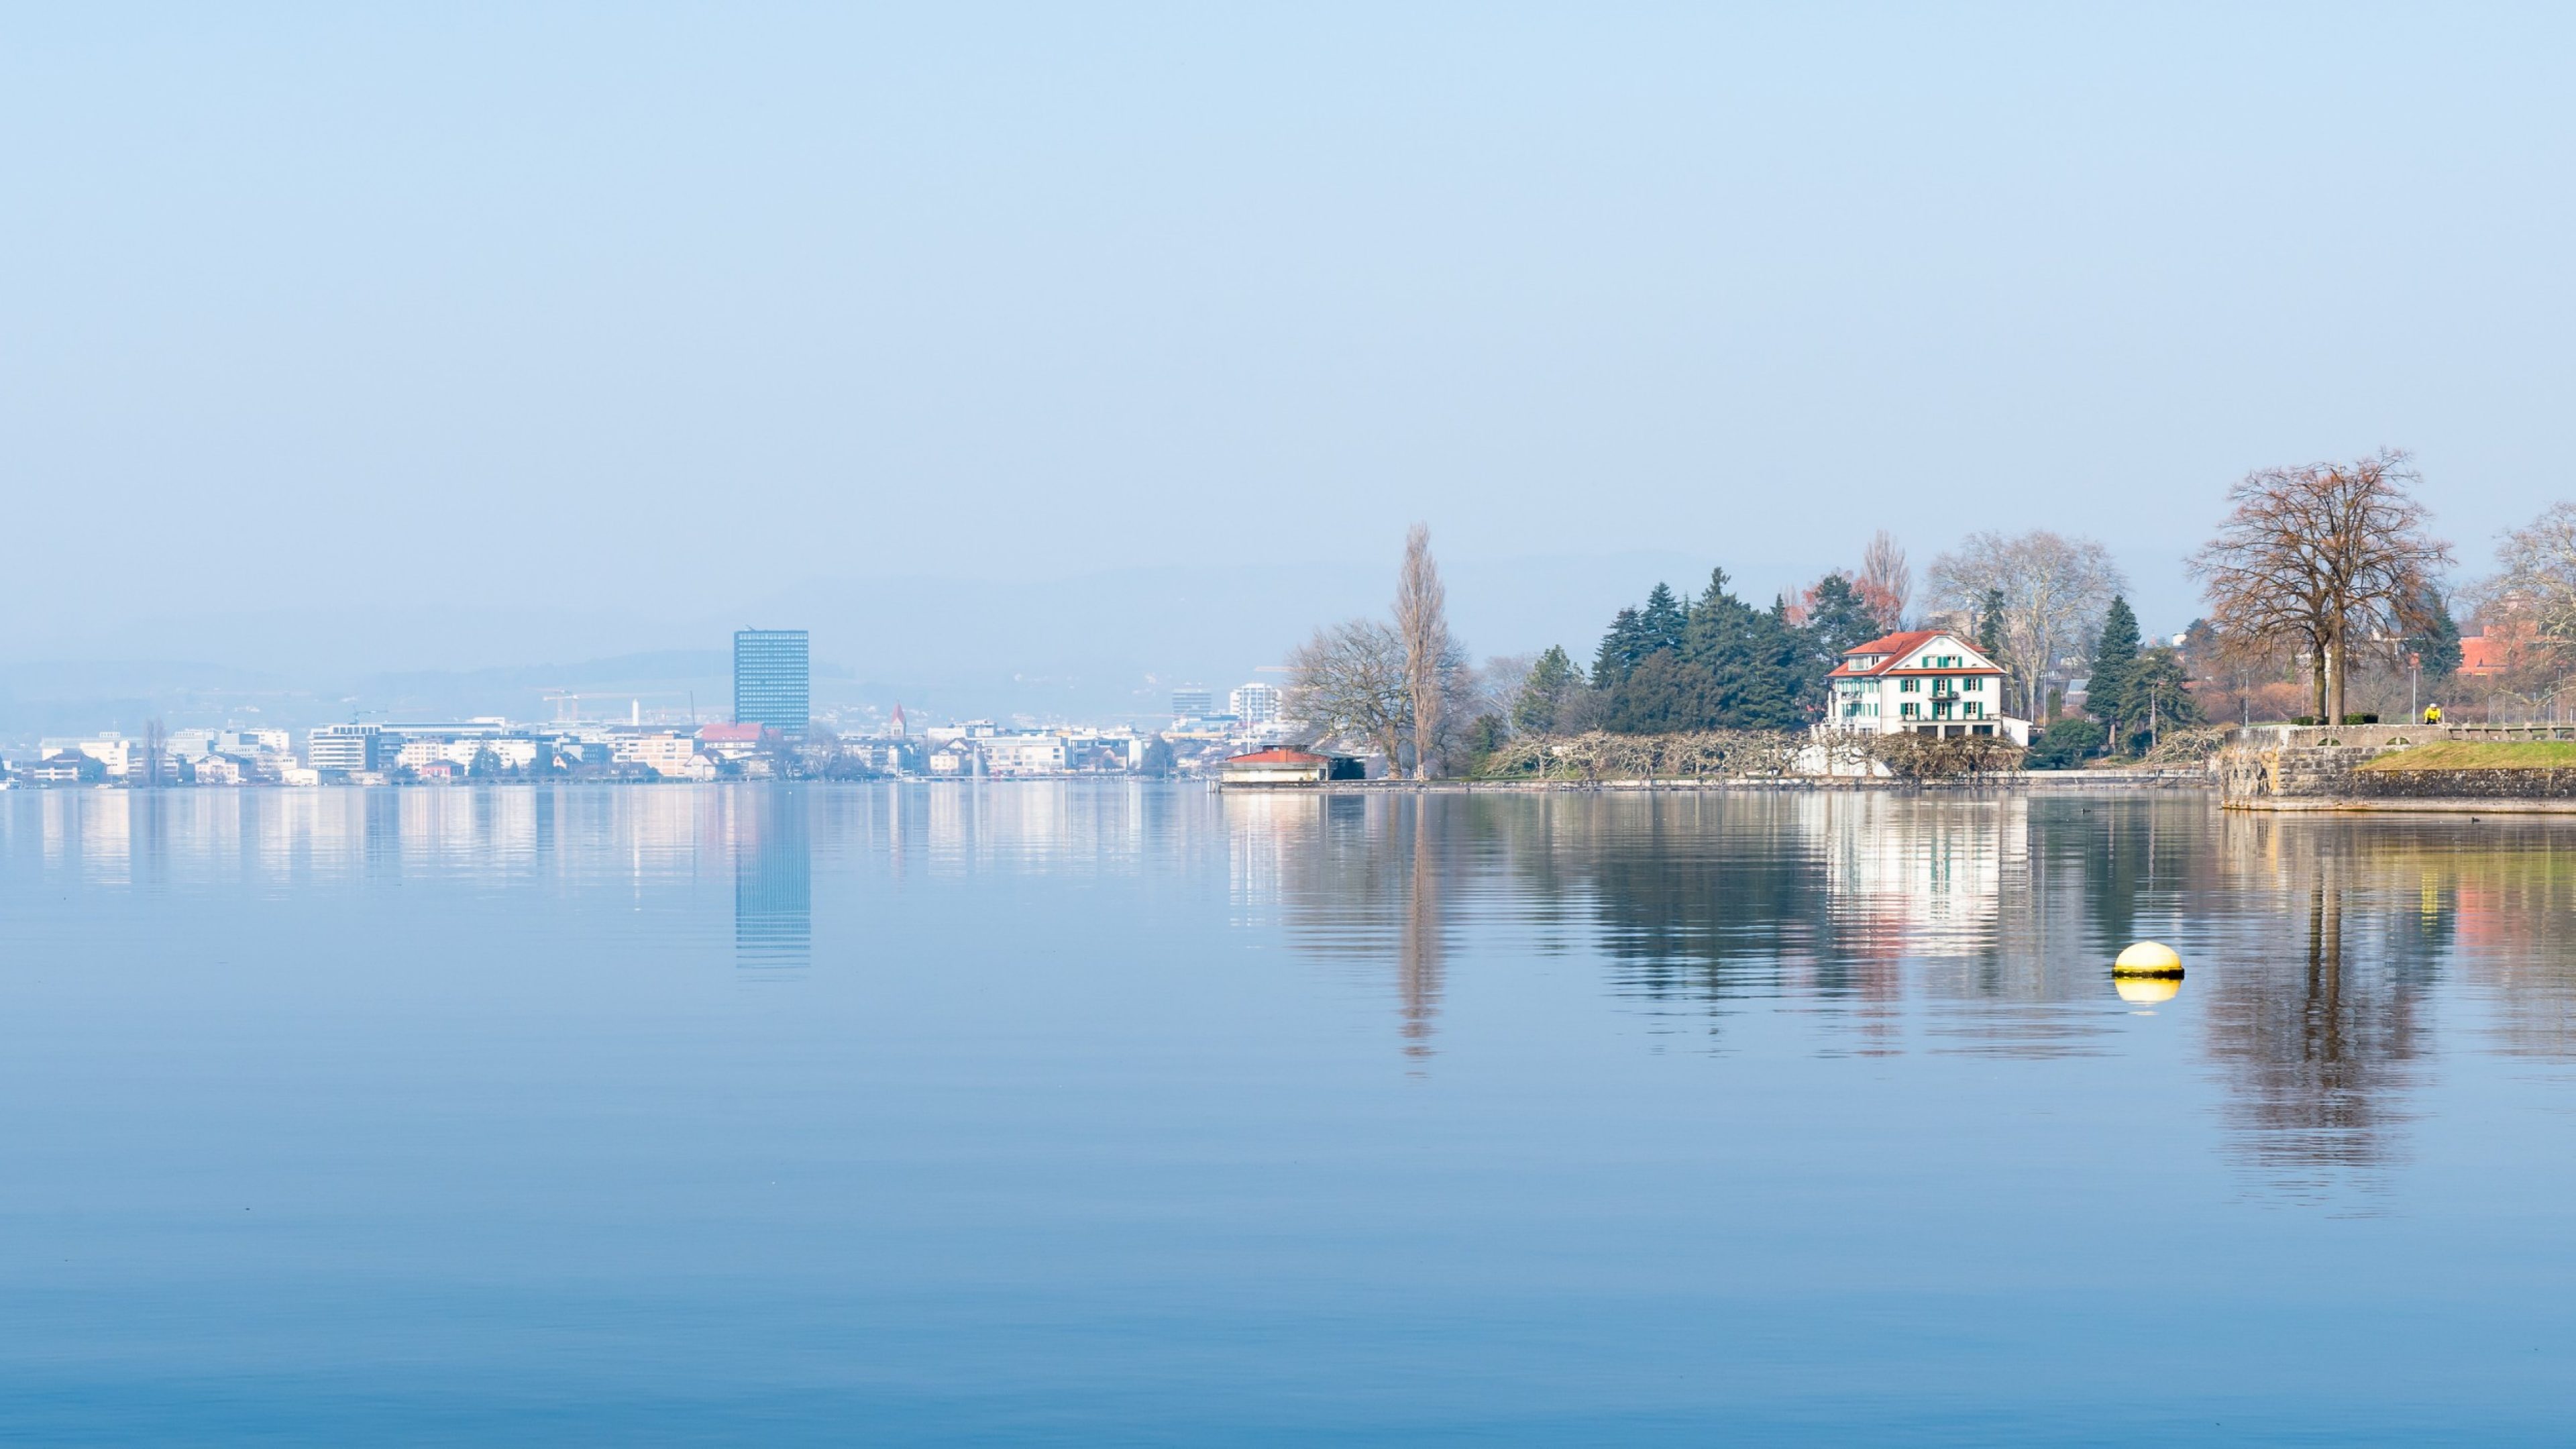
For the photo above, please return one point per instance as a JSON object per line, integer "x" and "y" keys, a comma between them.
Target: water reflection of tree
{"x": 1364, "y": 880}
{"x": 2317, "y": 941}
{"x": 1693, "y": 897}
{"x": 2320, "y": 1030}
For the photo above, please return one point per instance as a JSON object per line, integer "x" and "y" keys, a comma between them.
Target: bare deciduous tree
{"x": 1886, "y": 582}
{"x": 2054, "y": 591}
{"x": 1348, "y": 681}
{"x": 2329, "y": 558}
{"x": 1422, "y": 623}
{"x": 2532, "y": 599}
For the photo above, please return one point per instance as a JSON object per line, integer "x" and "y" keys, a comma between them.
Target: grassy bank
{"x": 2479, "y": 755}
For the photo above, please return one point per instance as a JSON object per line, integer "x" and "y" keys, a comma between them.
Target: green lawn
{"x": 2480, "y": 755}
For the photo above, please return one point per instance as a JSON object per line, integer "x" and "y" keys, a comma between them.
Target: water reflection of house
{"x": 1924, "y": 876}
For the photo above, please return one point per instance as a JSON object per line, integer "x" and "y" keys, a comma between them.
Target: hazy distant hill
{"x": 1090, "y": 646}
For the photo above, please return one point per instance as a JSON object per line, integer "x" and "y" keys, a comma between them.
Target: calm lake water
{"x": 1133, "y": 1114}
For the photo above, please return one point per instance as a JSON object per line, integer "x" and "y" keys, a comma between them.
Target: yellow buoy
{"x": 2148, "y": 958}
{"x": 2147, "y": 990}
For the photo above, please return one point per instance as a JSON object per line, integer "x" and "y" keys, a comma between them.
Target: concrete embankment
{"x": 2458, "y": 769}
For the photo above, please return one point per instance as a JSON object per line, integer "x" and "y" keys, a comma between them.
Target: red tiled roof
{"x": 1895, "y": 643}
{"x": 1275, "y": 757}
{"x": 1892, "y": 651}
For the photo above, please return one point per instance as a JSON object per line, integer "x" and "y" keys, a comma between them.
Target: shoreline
{"x": 2401, "y": 805}
{"x": 2045, "y": 781}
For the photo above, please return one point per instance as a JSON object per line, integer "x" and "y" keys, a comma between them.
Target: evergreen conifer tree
{"x": 2437, "y": 647}
{"x": 1990, "y": 643}
{"x": 1660, "y": 625}
{"x": 1990, "y": 625}
{"x": 1720, "y": 663}
{"x": 1542, "y": 698}
{"x": 2113, "y": 657}
{"x": 2153, "y": 699}
{"x": 1620, "y": 650}
{"x": 1839, "y": 618}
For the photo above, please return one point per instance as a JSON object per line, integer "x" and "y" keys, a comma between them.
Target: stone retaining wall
{"x": 2277, "y": 766}
{"x": 2465, "y": 784}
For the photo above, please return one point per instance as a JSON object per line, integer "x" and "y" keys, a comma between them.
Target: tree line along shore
{"x": 2326, "y": 599}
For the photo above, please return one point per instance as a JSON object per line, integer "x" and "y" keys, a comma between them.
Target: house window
{"x": 1972, "y": 709}
{"x": 1976, "y": 683}
{"x": 1906, "y": 710}
{"x": 1907, "y": 685}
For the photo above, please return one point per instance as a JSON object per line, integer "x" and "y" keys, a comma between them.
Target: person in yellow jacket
{"x": 2432, "y": 714}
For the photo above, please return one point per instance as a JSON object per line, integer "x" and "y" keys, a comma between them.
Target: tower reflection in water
{"x": 773, "y": 877}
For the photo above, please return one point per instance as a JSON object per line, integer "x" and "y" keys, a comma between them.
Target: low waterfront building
{"x": 216, "y": 770}
{"x": 735, "y": 741}
{"x": 1288, "y": 767}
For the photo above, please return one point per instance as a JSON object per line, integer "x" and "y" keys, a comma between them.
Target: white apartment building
{"x": 1256, "y": 703}
{"x": 1923, "y": 681}
{"x": 509, "y": 754}
{"x": 236, "y": 740}
{"x": 114, "y": 753}
{"x": 193, "y": 744}
{"x": 416, "y": 753}
{"x": 1025, "y": 754}
{"x": 664, "y": 754}
{"x": 346, "y": 747}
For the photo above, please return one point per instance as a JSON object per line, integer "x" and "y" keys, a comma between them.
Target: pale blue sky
{"x": 667, "y": 310}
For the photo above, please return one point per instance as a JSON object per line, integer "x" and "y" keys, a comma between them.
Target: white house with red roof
{"x": 1922, "y": 681}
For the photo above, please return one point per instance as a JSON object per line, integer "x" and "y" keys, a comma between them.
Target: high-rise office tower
{"x": 1255, "y": 703}
{"x": 771, "y": 679}
{"x": 1193, "y": 703}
